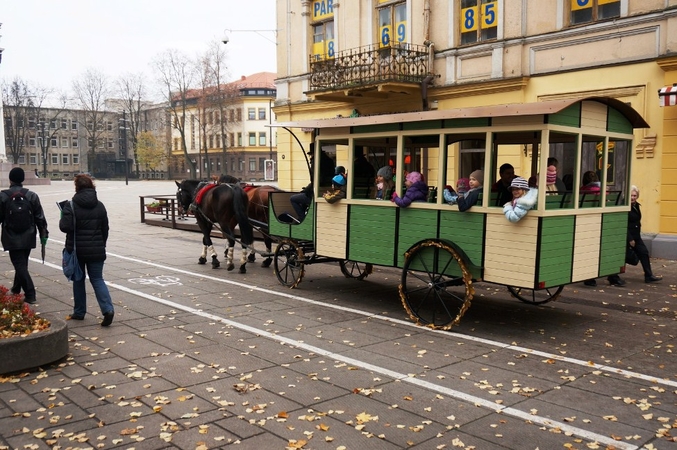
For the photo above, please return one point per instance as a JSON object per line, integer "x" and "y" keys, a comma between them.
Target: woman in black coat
{"x": 635, "y": 237}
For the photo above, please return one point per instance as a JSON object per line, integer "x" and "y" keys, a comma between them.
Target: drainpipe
{"x": 428, "y": 79}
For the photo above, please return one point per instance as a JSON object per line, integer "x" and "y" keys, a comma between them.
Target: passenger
{"x": 476, "y": 182}
{"x": 338, "y": 184}
{"x": 559, "y": 183}
{"x": 451, "y": 196}
{"x": 635, "y": 237}
{"x": 417, "y": 190}
{"x": 301, "y": 201}
{"x": 506, "y": 173}
{"x": 363, "y": 176}
{"x": 385, "y": 186}
{"x": 591, "y": 183}
{"x": 340, "y": 170}
{"x": 551, "y": 179}
{"x": 523, "y": 200}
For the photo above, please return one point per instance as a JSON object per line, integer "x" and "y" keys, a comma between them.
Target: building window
{"x": 22, "y": 159}
{"x": 64, "y": 159}
{"x": 323, "y": 41}
{"x": 109, "y": 126}
{"x": 232, "y": 163}
{"x": 262, "y": 113}
{"x": 239, "y": 115}
{"x": 64, "y": 142}
{"x": 239, "y": 139}
{"x": 74, "y": 125}
{"x": 231, "y": 115}
{"x": 251, "y": 113}
{"x": 231, "y": 138}
{"x": 211, "y": 141}
{"x": 262, "y": 139}
{"x": 54, "y": 142}
{"x": 100, "y": 143}
{"x": 241, "y": 164}
{"x": 479, "y": 20}
{"x": 31, "y": 142}
{"x": 262, "y": 164}
{"x": 110, "y": 143}
{"x": 252, "y": 139}
{"x": 33, "y": 158}
{"x": 55, "y": 159}
{"x": 252, "y": 164}
{"x": 392, "y": 26}
{"x": 64, "y": 124}
{"x": 76, "y": 159}
{"x": 585, "y": 11}
{"x": 218, "y": 141}
{"x": 31, "y": 123}
{"x": 52, "y": 124}
{"x": 74, "y": 142}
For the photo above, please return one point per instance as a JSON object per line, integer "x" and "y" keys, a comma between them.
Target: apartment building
{"x": 231, "y": 134}
{"x": 385, "y": 56}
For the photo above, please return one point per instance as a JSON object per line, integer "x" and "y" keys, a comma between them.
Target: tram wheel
{"x": 288, "y": 263}
{"x": 356, "y": 270}
{"x": 535, "y": 296}
{"x": 436, "y": 287}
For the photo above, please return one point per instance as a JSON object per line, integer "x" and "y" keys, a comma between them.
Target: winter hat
{"x": 339, "y": 170}
{"x": 551, "y": 176}
{"x": 386, "y": 172}
{"x": 17, "y": 175}
{"x": 338, "y": 179}
{"x": 462, "y": 185}
{"x": 414, "y": 177}
{"x": 478, "y": 175}
{"x": 519, "y": 183}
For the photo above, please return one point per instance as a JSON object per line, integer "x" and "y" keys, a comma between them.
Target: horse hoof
{"x": 202, "y": 260}
{"x": 243, "y": 268}
{"x": 266, "y": 262}
{"x": 251, "y": 258}
{"x": 230, "y": 267}
{"x": 215, "y": 264}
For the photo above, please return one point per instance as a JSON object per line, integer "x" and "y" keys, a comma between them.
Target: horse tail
{"x": 240, "y": 205}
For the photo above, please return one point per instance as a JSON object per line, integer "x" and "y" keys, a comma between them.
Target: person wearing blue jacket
{"x": 523, "y": 199}
{"x": 417, "y": 190}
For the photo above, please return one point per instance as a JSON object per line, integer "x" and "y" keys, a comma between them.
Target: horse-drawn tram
{"x": 572, "y": 233}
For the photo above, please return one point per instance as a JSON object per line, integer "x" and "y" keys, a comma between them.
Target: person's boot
{"x": 615, "y": 280}
{"x": 652, "y": 279}
{"x": 591, "y": 282}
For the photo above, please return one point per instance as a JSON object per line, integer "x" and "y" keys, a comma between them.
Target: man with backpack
{"x": 21, "y": 214}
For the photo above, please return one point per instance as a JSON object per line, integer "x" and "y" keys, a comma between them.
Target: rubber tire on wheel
{"x": 535, "y": 296}
{"x": 288, "y": 263}
{"x": 431, "y": 269}
{"x": 356, "y": 270}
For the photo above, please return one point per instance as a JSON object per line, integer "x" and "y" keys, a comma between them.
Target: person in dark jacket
{"x": 19, "y": 242}
{"x": 635, "y": 236}
{"x": 91, "y": 234}
{"x": 417, "y": 191}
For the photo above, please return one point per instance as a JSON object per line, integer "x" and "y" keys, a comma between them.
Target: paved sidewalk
{"x": 199, "y": 358}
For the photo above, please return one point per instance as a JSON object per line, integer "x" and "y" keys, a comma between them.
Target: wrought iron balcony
{"x": 370, "y": 65}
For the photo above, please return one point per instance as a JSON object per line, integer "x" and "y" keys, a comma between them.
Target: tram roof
{"x": 513, "y": 109}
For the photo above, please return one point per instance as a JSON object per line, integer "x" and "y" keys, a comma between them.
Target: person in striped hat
{"x": 523, "y": 199}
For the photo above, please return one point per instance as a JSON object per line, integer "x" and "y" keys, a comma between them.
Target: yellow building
{"x": 384, "y": 56}
{"x": 228, "y": 133}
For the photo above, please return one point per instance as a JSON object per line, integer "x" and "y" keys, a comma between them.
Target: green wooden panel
{"x": 376, "y": 128}
{"x": 556, "y": 250}
{"x": 423, "y": 125}
{"x": 617, "y": 122}
{"x": 570, "y": 116}
{"x": 466, "y": 230}
{"x": 613, "y": 242}
{"x": 467, "y": 123}
{"x": 303, "y": 231}
{"x": 414, "y": 225}
{"x": 371, "y": 234}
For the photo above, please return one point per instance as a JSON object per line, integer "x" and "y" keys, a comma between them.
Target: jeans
{"x": 95, "y": 272}
{"x": 22, "y": 279}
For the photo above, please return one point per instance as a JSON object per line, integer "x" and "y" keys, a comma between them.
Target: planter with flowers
{"x": 26, "y": 339}
{"x": 154, "y": 207}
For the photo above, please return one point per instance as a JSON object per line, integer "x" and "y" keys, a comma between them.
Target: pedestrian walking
{"x": 89, "y": 227}
{"x": 635, "y": 236}
{"x": 21, "y": 215}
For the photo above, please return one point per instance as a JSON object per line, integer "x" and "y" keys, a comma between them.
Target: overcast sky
{"x": 51, "y": 43}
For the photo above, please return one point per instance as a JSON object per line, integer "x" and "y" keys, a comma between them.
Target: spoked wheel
{"x": 356, "y": 270}
{"x": 436, "y": 287}
{"x": 535, "y": 296}
{"x": 288, "y": 263}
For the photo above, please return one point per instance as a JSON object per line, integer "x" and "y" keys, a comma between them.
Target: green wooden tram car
{"x": 570, "y": 235}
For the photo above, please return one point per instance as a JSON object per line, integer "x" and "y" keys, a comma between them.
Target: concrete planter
{"x": 37, "y": 349}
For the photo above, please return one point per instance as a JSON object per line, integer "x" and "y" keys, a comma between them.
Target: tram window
{"x": 328, "y": 162}
{"x": 369, "y": 156}
{"x": 510, "y": 152}
{"x": 464, "y": 154}
{"x": 421, "y": 154}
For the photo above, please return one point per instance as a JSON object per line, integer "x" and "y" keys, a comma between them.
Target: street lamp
{"x": 123, "y": 144}
{"x": 43, "y": 146}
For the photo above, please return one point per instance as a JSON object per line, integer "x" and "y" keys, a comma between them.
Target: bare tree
{"x": 91, "y": 91}
{"x": 222, "y": 96}
{"x": 132, "y": 91}
{"x": 176, "y": 72}
{"x": 47, "y": 126}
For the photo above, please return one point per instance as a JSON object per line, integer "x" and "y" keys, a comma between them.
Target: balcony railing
{"x": 402, "y": 63}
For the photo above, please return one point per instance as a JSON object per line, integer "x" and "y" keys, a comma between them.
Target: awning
{"x": 667, "y": 96}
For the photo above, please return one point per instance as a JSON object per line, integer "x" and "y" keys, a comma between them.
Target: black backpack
{"x": 18, "y": 211}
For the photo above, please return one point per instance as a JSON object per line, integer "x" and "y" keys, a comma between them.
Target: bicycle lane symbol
{"x": 160, "y": 280}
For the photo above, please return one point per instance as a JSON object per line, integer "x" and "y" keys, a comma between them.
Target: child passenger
{"x": 466, "y": 200}
{"x": 385, "y": 185}
{"x": 338, "y": 184}
{"x": 451, "y": 196}
{"x": 523, "y": 199}
{"x": 417, "y": 190}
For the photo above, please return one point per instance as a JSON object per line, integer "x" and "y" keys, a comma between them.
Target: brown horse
{"x": 225, "y": 205}
{"x": 257, "y": 212}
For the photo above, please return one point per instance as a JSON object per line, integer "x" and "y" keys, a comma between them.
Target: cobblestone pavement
{"x": 205, "y": 358}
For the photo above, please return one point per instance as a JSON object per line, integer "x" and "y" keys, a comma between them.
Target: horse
{"x": 225, "y": 205}
{"x": 257, "y": 212}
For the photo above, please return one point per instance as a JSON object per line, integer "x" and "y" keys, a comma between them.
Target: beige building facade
{"x": 385, "y": 56}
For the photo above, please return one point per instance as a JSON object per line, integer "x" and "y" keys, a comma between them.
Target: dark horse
{"x": 224, "y": 205}
{"x": 258, "y": 213}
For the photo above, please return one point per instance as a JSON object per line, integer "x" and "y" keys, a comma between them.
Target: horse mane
{"x": 225, "y": 178}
